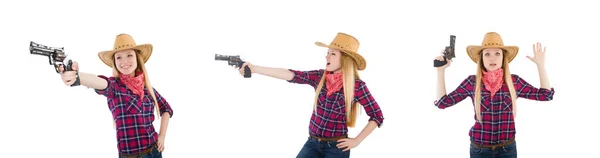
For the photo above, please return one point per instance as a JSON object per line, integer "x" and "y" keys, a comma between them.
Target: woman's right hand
{"x": 69, "y": 77}
{"x": 441, "y": 58}
{"x": 244, "y": 65}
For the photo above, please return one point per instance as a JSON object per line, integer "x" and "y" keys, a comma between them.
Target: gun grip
{"x": 69, "y": 67}
{"x": 247, "y": 72}
{"x": 437, "y": 63}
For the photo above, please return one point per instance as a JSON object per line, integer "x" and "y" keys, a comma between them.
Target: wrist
{"x": 541, "y": 66}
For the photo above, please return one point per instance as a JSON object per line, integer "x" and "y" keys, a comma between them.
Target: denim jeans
{"x": 152, "y": 154}
{"x": 508, "y": 151}
{"x": 323, "y": 149}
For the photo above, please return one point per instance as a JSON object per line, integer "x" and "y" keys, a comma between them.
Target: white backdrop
{"x": 218, "y": 113}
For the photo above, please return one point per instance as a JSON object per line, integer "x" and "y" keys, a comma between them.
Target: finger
{"x": 348, "y": 148}
{"x": 70, "y": 82}
{"x": 340, "y": 145}
{"x": 544, "y": 50}
{"x": 342, "y": 140}
{"x": 530, "y": 58}
{"x": 60, "y": 68}
{"x": 75, "y": 66}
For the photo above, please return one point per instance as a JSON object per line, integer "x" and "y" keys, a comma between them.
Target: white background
{"x": 218, "y": 113}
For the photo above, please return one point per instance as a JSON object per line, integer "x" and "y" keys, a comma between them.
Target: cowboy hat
{"x": 125, "y": 42}
{"x": 348, "y": 45}
{"x": 492, "y": 40}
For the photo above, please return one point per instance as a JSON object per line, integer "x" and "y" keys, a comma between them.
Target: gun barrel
{"x": 221, "y": 57}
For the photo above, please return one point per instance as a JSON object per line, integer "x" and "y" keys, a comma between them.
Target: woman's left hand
{"x": 160, "y": 144}
{"x": 539, "y": 54}
{"x": 348, "y": 143}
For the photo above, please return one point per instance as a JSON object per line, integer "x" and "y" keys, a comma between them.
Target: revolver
{"x": 234, "y": 60}
{"x": 56, "y": 57}
{"x": 448, "y": 53}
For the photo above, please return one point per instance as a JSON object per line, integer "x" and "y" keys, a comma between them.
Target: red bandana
{"x": 135, "y": 84}
{"x": 493, "y": 80}
{"x": 334, "y": 82}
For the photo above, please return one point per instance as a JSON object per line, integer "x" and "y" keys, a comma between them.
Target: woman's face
{"x": 492, "y": 58}
{"x": 126, "y": 62}
{"x": 333, "y": 60}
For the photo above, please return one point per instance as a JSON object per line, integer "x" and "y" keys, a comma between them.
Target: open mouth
{"x": 492, "y": 64}
{"x": 328, "y": 64}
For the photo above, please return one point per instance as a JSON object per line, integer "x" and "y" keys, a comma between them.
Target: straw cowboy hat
{"x": 348, "y": 45}
{"x": 492, "y": 40}
{"x": 125, "y": 42}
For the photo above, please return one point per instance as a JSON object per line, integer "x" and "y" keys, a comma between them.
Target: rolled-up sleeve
{"x": 163, "y": 105}
{"x": 526, "y": 90}
{"x": 311, "y": 77}
{"x": 109, "y": 91}
{"x": 363, "y": 96}
{"x": 461, "y": 92}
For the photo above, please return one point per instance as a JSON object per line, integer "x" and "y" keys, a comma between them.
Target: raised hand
{"x": 539, "y": 54}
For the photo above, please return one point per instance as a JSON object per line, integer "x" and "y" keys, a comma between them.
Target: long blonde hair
{"x": 507, "y": 79}
{"x": 349, "y": 76}
{"x": 140, "y": 67}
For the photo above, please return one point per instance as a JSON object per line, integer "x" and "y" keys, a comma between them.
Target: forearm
{"x": 543, "y": 77}
{"x": 279, "y": 73}
{"x": 441, "y": 84}
{"x": 164, "y": 123}
{"x": 367, "y": 130}
{"x": 92, "y": 81}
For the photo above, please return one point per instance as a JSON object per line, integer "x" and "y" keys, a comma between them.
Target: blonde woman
{"x": 131, "y": 98}
{"x": 339, "y": 93}
{"x": 494, "y": 91}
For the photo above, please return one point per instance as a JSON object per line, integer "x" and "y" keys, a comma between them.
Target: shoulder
{"x": 470, "y": 79}
{"x": 515, "y": 77}
{"x": 109, "y": 79}
{"x": 358, "y": 84}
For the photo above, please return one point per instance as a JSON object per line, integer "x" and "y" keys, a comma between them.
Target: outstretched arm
{"x": 88, "y": 80}
{"x": 279, "y": 73}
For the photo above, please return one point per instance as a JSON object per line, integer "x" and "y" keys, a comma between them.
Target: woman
{"x": 494, "y": 91}
{"x": 339, "y": 90}
{"x": 130, "y": 96}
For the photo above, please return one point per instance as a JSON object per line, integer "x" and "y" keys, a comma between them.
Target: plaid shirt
{"x": 133, "y": 118}
{"x": 496, "y": 113}
{"x": 330, "y": 119}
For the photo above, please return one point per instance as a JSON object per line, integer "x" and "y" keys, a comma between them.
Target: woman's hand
{"x": 539, "y": 55}
{"x": 69, "y": 77}
{"x": 348, "y": 143}
{"x": 160, "y": 144}
{"x": 441, "y": 58}
{"x": 244, "y": 65}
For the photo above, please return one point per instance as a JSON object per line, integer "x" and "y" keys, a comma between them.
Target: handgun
{"x": 56, "y": 57}
{"x": 448, "y": 53}
{"x": 234, "y": 60}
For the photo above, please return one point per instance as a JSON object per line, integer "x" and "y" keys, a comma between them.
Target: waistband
{"x": 144, "y": 152}
{"x": 328, "y": 138}
{"x": 510, "y": 141}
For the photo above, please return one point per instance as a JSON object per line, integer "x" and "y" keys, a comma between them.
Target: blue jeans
{"x": 323, "y": 149}
{"x": 508, "y": 151}
{"x": 152, "y": 154}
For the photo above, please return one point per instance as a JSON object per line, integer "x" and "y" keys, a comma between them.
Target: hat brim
{"x": 473, "y": 51}
{"x": 359, "y": 59}
{"x": 145, "y": 51}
